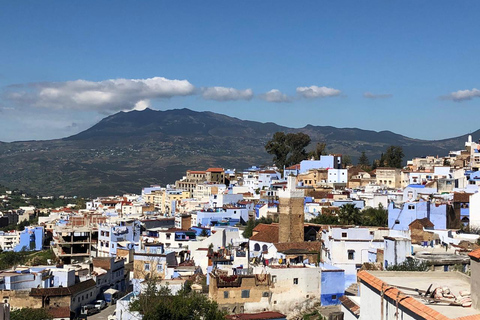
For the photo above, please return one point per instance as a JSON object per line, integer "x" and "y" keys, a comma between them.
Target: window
{"x": 245, "y": 294}
{"x": 225, "y": 295}
{"x": 256, "y": 247}
{"x": 351, "y": 254}
{"x": 146, "y": 267}
{"x": 159, "y": 267}
{"x": 264, "y": 248}
{"x": 344, "y": 234}
{"x": 334, "y": 297}
{"x": 265, "y": 294}
{"x": 274, "y": 279}
{"x": 295, "y": 280}
{"x": 168, "y": 236}
{"x": 411, "y": 207}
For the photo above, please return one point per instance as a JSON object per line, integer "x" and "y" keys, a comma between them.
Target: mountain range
{"x": 130, "y": 150}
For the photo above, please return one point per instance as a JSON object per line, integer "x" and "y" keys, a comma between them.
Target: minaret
{"x": 291, "y": 213}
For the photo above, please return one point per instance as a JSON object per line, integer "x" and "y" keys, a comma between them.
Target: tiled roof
{"x": 59, "y": 312}
{"x": 215, "y": 170}
{"x": 63, "y": 291}
{"x": 475, "y": 255}
{"x": 266, "y": 233}
{"x": 424, "y": 222}
{"x": 311, "y": 246}
{"x": 405, "y": 301}
{"x": 294, "y": 167}
{"x": 257, "y": 316}
{"x": 350, "y": 305}
{"x": 473, "y": 317}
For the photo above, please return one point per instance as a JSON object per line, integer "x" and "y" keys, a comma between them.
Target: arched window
{"x": 256, "y": 247}
{"x": 264, "y": 248}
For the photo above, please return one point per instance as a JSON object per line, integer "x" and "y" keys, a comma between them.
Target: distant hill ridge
{"x": 129, "y": 150}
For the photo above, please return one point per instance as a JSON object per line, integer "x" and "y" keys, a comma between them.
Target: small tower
{"x": 292, "y": 217}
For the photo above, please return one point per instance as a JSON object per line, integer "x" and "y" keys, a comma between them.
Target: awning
{"x": 111, "y": 291}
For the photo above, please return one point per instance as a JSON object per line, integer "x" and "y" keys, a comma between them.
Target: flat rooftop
{"x": 456, "y": 282}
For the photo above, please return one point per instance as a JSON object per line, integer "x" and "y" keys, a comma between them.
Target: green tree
{"x": 377, "y": 217}
{"x": 288, "y": 149}
{"x": 393, "y": 157}
{"x": 325, "y": 219}
{"x": 318, "y": 151}
{"x": 350, "y": 214}
{"x": 155, "y": 304}
{"x": 30, "y": 314}
{"x": 247, "y": 233}
{"x": 363, "y": 161}
{"x": 409, "y": 265}
{"x": 346, "y": 160}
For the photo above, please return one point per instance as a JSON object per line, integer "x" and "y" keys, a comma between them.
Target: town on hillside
{"x": 317, "y": 239}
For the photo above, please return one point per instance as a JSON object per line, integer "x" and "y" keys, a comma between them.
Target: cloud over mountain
{"x": 111, "y": 95}
{"x": 226, "y": 94}
{"x": 275, "y": 95}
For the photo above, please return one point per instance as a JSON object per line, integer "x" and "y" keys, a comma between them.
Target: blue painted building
{"x": 333, "y": 285}
{"x": 31, "y": 239}
{"x": 110, "y": 235}
{"x": 220, "y": 216}
{"x": 325, "y": 162}
{"x": 399, "y": 218}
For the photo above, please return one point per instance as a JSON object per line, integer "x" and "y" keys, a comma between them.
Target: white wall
{"x": 475, "y": 210}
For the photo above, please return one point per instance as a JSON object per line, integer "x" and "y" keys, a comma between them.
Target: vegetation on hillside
{"x": 30, "y": 314}
{"x": 159, "y": 303}
{"x": 8, "y": 259}
{"x": 288, "y": 149}
{"x": 348, "y": 214}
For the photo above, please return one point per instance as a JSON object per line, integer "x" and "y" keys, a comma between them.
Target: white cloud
{"x": 107, "y": 95}
{"x": 226, "y": 94}
{"x": 275, "y": 95}
{"x": 142, "y": 105}
{"x": 462, "y": 95}
{"x": 370, "y": 95}
{"x": 317, "y": 92}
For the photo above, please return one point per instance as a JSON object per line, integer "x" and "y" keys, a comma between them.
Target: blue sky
{"x": 411, "y": 67}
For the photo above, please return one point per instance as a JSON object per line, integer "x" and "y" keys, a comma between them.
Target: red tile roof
{"x": 215, "y": 170}
{"x": 266, "y": 233}
{"x": 257, "y": 316}
{"x": 294, "y": 167}
{"x": 59, "y": 312}
{"x": 475, "y": 255}
{"x": 311, "y": 246}
{"x": 350, "y": 305}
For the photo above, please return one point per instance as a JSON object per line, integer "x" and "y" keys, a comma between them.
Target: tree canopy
{"x": 363, "y": 161}
{"x": 30, "y": 314}
{"x": 351, "y": 215}
{"x": 159, "y": 303}
{"x": 319, "y": 150}
{"x": 393, "y": 157}
{"x": 288, "y": 149}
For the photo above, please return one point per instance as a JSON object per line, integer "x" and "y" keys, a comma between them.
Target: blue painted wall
{"x": 417, "y": 210}
{"x": 31, "y": 238}
{"x": 333, "y": 287}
